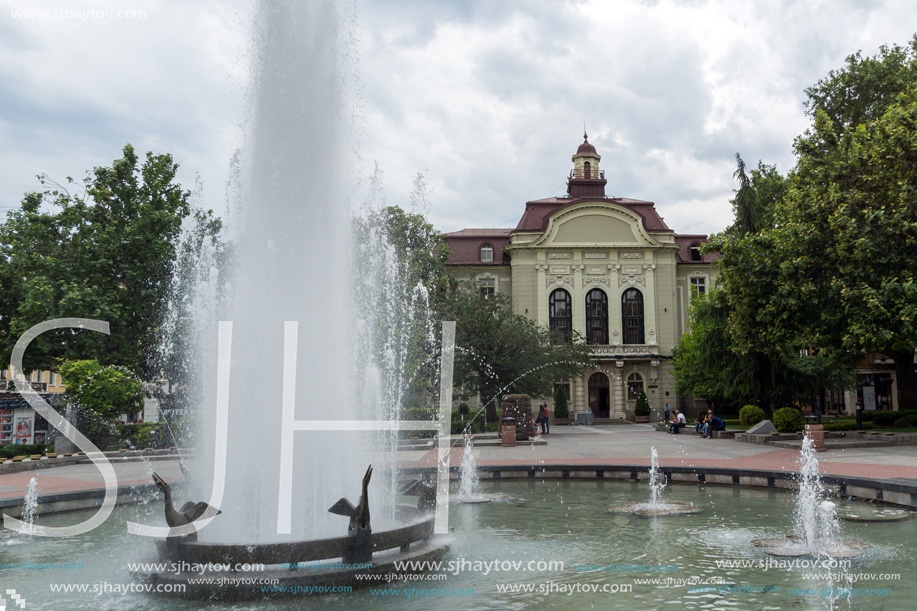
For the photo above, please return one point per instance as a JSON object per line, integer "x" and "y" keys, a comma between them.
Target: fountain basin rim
{"x": 179, "y": 549}
{"x": 627, "y": 471}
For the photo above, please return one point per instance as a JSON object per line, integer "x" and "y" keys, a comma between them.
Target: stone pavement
{"x": 626, "y": 444}
{"x": 85, "y": 476}
{"x": 630, "y": 444}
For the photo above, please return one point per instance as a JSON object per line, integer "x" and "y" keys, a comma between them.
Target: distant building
{"x": 608, "y": 268}
{"x": 19, "y": 424}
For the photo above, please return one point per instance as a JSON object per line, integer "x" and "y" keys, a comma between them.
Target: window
{"x": 487, "y": 253}
{"x": 488, "y": 286}
{"x": 53, "y": 379}
{"x": 699, "y": 285}
{"x": 596, "y": 317}
{"x": 587, "y": 170}
{"x": 695, "y": 252}
{"x": 561, "y": 315}
{"x": 634, "y": 384}
{"x": 632, "y": 314}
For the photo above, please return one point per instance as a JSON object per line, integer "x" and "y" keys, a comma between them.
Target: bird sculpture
{"x": 426, "y": 495}
{"x": 359, "y": 515}
{"x": 189, "y": 511}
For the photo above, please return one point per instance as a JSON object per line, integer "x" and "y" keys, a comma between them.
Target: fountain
{"x": 298, "y": 345}
{"x": 815, "y": 518}
{"x": 656, "y": 507}
{"x": 469, "y": 491}
{"x": 30, "y": 504}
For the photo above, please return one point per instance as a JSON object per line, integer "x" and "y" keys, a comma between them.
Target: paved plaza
{"x": 627, "y": 444}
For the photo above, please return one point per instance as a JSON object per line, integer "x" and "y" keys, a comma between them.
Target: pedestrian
{"x": 666, "y": 411}
{"x": 678, "y": 422}
{"x": 545, "y": 425}
{"x": 859, "y": 414}
{"x": 540, "y": 420}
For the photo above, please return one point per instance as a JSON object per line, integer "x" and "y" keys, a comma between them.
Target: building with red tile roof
{"x": 607, "y": 268}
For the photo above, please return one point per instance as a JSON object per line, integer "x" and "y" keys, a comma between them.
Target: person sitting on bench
{"x": 713, "y": 424}
{"x": 678, "y": 422}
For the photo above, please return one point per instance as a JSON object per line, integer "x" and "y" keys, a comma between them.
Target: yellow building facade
{"x": 607, "y": 268}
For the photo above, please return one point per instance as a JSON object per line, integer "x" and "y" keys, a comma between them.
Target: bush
{"x": 841, "y": 426}
{"x": 520, "y": 408}
{"x": 9, "y": 451}
{"x": 492, "y": 427}
{"x": 140, "y": 435}
{"x": 889, "y": 418}
{"x": 642, "y": 408}
{"x": 750, "y": 415}
{"x": 560, "y": 403}
{"x": 788, "y": 420}
{"x": 906, "y": 421}
{"x": 458, "y": 423}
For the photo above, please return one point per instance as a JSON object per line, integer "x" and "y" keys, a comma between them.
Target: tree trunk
{"x": 906, "y": 378}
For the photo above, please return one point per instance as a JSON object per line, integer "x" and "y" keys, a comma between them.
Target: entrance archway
{"x": 599, "y": 400}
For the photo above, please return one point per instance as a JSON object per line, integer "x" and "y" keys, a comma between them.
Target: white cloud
{"x": 487, "y": 99}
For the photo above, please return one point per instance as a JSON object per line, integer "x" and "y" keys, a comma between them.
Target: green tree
{"x": 400, "y": 272}
{"x": 499, "y": 351}
{"x": 835, "y": 275}
{"x": 862, "y": 90}
{"x": 106, "y": 391}
{"x": 101, "y": 248}
{"x": 713, "y": 359}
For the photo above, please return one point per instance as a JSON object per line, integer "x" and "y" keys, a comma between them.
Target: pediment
{"x": 596, "y": 224}
{"x": 595, "y": 229}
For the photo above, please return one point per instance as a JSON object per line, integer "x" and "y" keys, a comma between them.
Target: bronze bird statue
{"x": 426, "y": 495}
{"x": 359, "y": 515}
{"x": 189, "y": 511}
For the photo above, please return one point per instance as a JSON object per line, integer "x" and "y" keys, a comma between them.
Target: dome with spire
{"x": 585, "y": 148}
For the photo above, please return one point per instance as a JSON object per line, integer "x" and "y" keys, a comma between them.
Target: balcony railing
{"x": 591, "y": 174}
{"x": 623, "y": 350}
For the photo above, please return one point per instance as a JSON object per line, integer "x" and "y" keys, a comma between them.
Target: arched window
{"x": 587, "y": 170}
{"x": 695, "y": 252}
{"x": 634, "y": 384}
{"x": 561, "y": 315}
{"x": 632, "y": 314}
{"x": 596, "y": 317}
{"x": 487, "y": 253}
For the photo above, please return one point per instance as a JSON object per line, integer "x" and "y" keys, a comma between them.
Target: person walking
{"x": 666, "y": 411}
{"x": 540, "y": 421}
{"x": 545, "y": 425}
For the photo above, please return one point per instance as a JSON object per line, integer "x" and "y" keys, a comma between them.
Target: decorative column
{"x": 541, "y": 311}
{"x": 615, "y": 330}
{"x": 650, "y": 312}
{"x": 579, "y": 301}
{"x": 618, "y": 383}
{"x": 577, "y": 395}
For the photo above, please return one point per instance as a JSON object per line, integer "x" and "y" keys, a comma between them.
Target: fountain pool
{"x": 540, "y": 521}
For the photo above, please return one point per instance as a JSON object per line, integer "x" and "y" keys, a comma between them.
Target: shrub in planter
{"x": 750, "y": 415}
{"x": 788, "y": 420}
{"x": 642, "y": 407}
{"x": 520, "y": 408}
{"x": 561, "y": 411}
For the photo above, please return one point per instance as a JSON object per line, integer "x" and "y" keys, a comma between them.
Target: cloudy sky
{"x": 485, "y": 98}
